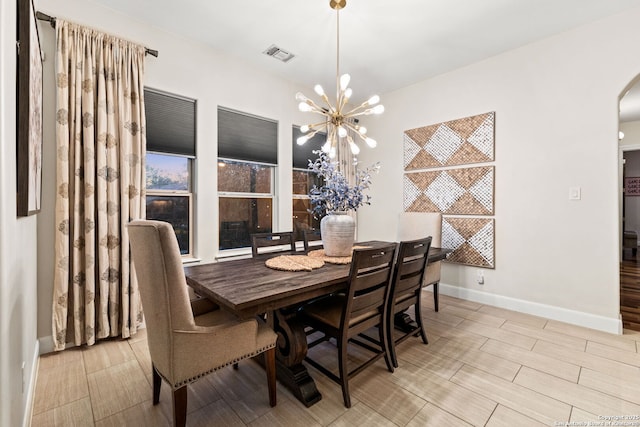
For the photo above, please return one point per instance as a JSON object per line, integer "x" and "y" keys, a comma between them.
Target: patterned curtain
{"x": 101, "y": 144}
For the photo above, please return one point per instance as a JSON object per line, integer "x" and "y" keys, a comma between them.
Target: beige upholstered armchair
{"x": 186, "y": 341}
{"x": 416, "y": 225}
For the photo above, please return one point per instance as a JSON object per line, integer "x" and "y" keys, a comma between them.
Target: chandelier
{"x": 337, "y": 119}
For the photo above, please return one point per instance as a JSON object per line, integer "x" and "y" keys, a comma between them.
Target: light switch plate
{"x": 574, "y": 193}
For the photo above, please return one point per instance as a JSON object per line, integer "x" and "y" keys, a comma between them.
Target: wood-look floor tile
{"x": 472, "y": 407}
{"x": 117, "y": 388}
{"x": 395, "y": 403}
{"x": 285, "y": 414}
{"x": 76, "y": 413}
{"x": 573, "y": 394}
{"x": 199, "y": 394}
{"x": 141, "y": 351}
{"x": 628, "y": 389}
{"x": 580, "y": 416}
{"x": 514, "y": 316}
{"x": 465, "y": 351}
{"x": 613, "y": 353}
{"x": 107, "y": 353}
{"x": 218, "y": 413}
{"x": 431, "y": 415}
{"x": 447, "y": 300}
{"x": 361, "y": 415}
{"x": 556, "y": 338}
{"x": 587, "y": 360}
{"x": 245, "y": 390}
{"x": 61, "y": 385}
{"x": 507, "y": 417}
{"x": 474, "y": 315}
{"x": 446, "y": 331}
{"x": 441, "y": 316}
{"x": 498, "y": 334}
{"x": 423, "y": 357}
{"x": 541, "y": 362}
{"x": 142, "y": 415}
{"x": 458, "y": 379}
{"x": 521, "y": 399}
{"x": 331, "y": 406}
{"x": 622, "y": 342}
{"x": 58, "y": 358}
{"x": 140, "y": 335}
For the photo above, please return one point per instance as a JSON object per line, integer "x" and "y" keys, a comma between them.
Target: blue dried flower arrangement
{"x": 336, "y": 195}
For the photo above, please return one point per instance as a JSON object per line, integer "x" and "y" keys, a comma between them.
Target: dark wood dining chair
{"x": 346, "y": 316}
{"x": 310, "y": 239}
{"x": 272, "y": 243}
{"x": 406, "y": 290}
{"x": 415, "y": 225}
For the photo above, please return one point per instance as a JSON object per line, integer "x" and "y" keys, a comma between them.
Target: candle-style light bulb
{"x": 304, "y": 107}
{"x": 344, "y": 81}
{"x": 300, "y": 97}
{"x": 318, "y": 89}
{"x": 378, "y": 109}
{"x": 373, "y": 100}
{"x": 301, "y": 140}
{"x": 304, "y": 128}
{"x": 371, "y": 142}
{"x": 342, "y": 132}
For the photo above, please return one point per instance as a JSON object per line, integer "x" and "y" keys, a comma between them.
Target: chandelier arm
{"x": 359, "y": 107}
{"x": 312, "y": 126}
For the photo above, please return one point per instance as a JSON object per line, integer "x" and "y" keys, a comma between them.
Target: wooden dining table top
{"x": 248, "y": 287}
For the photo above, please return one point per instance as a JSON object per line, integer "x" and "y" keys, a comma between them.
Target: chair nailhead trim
{"x": 236, "y": 360}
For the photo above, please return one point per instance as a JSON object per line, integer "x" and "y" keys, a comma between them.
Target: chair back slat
{"x": 369, "y": 282}
{"x": 311, "y": 235}
{"x": 410, "y": 267}
{"x": 270, "y": 240}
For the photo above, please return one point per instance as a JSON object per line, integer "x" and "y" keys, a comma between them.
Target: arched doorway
{"x": 629, "y": 178}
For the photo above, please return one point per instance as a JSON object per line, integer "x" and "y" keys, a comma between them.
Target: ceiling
{"x": 384, "y": 45}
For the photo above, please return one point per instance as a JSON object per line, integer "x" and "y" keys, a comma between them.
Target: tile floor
{"x": 484, "y": 366}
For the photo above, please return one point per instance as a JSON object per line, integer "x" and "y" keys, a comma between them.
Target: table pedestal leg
{"x": 404, "y": 322}
{"x": 291, "y": 350}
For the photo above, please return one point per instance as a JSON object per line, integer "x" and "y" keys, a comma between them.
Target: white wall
{"x": 556, "y": 104}
{"x": 18, "y": 258}
{"x": 186, "y": 68}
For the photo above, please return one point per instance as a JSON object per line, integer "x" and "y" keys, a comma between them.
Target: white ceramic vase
{"x": 338, "y": 232}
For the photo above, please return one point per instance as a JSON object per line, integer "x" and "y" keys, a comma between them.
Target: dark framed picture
{"x": 29, "y": 109}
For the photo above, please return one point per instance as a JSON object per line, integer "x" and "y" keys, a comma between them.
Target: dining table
{"x": 247, "y": 287}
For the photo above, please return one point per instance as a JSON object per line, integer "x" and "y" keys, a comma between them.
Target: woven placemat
{"x": 319, "y": 254}
{"x": 294, "y": 263}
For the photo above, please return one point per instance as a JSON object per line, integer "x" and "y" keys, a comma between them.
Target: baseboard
{"x": 31, "y": 387}
{"x": 46, "y": 344}
{"x": 579, "y": 318}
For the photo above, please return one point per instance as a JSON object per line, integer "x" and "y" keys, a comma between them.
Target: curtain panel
{"x": 100, "y": 140}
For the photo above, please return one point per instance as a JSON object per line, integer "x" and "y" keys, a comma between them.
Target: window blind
{"x": 303, "y": 153}
{"x": 243, "y": 136}
{"x": 171, "y": 123}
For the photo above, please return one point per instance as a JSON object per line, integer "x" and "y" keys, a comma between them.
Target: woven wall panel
{"x": 456, "y": 142}
{"x": 467, "y": 191}
{"x": 472, "y": 241}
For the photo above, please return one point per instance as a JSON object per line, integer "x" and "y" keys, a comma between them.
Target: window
{"x": 303, "y": 181}
{"x": 247, "y": 158}
{"x": 170, "y": 154}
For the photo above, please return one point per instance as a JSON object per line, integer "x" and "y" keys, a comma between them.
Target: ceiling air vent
{"x": 278, "y": 53}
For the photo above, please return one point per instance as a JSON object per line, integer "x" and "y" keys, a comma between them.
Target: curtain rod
{"x": 52, "y": 20}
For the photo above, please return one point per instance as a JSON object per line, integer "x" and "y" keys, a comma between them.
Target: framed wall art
{"x": 29, "y": 109}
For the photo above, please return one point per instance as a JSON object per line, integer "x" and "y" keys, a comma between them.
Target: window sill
{"x": 190, "y": 260}
{"x": 229, "y": 254}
